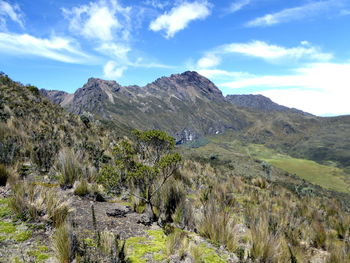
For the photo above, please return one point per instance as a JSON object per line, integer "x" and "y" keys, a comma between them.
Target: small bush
{"x": 4, "y": 175}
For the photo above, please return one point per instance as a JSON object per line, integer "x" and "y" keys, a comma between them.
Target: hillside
{"x": 71, "y": 191}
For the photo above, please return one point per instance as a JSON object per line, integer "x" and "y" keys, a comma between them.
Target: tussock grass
{"x": 62, "y": 244}
{"x": 69, "y": 167}
{"x": 33, "y": 202}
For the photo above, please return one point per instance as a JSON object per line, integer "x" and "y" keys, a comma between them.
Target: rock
{"x": 145, "y": 220}
{"x": 118, "y": 212}
{"x": 99, "y": 198}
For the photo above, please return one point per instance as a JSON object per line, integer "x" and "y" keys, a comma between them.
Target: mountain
{"x": 261, "y": 103}
{"x": 186, "y": 105}
{"x": 189, "y": 106}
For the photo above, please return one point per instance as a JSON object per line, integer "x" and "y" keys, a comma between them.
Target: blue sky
{"x": 295, "y": 52}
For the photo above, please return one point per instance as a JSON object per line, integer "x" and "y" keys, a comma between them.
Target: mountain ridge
{"x": 189, "y": 106}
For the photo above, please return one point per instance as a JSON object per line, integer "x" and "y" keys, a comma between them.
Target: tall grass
{"x": 62, "y": 244}
{"x": 33, "y": 202}
{"x": 69, "y": 167}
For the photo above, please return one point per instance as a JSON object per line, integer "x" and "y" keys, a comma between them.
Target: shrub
{"x": 4, "y": 175}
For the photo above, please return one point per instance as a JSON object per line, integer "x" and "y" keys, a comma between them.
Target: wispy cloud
{"x": 260, "y": 49}
{"x": 157, "y": 3}
{"x": 266, "y": 51}
{"x": 319, "y": 88}
{"x": 12, "y": 12}
{"x": 55, "y": 48}
{"x": 237, "y": 5}
{"x": 179, "y": 17}
{"x": 312, "y": 9}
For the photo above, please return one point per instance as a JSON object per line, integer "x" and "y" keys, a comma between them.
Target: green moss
{"x": 138, "y": 247}
{"x": 2, "y": 238}
{"x": 43, "y": 248}
{"x": 7, "y": 228}
{"x": 39, "y": 255}
{"x": 16, "y": 260}
{"x": 90, "y": 242}
{"x": 4, "y": 209}
{"x": 23, "y": 236}
{"x": 208, "y": 255}
{"x": 4, "y": 201}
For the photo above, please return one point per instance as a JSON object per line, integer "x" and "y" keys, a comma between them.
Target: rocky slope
{"x": 261, "y": 103}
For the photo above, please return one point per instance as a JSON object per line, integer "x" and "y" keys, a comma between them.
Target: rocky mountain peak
{"x": 188, "y": 85}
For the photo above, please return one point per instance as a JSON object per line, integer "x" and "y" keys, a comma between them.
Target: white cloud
{"x": 117, "y": 51}
{"x": 103, "y": 20}
{"x": 179, "y": 17}
{"x": 113, "y": 70}
{"x": 55, "y": 48}
{"x": 208, "y": 61}
{"x": 263, "y": 50}
{"x": 10, "y": 11}
{"x": 312, "y": 9}
{"x": 237, "y": 5}
{"x": 266, "y": 51}
{"x": 319, "y": 88}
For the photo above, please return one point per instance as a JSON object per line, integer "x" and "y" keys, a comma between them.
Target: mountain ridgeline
{"x": 189, "y": 106}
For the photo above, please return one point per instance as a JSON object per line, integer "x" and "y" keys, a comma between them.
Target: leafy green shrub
{"x": 33, "y": 89}
{"x": 4, "y": 175}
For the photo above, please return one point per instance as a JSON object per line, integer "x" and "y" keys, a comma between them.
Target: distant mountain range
{"x": 189, "y": 106}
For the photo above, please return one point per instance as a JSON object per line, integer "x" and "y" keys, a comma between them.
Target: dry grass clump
{"x": 69, "y": 167}
{"x": 33, "y": 202}
{"x": 82, "y": 188}
{"x": 62, "y": 244}
{"x": 178, "y": 243}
